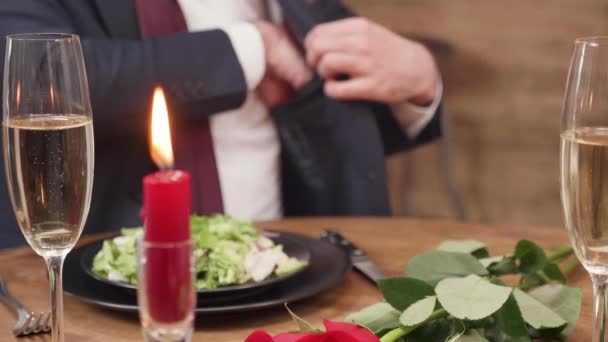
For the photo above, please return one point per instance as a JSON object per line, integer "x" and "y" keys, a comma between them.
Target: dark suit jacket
{"x": 201, "y": 76}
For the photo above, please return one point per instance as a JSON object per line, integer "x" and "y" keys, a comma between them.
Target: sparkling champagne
{"x": 49, "y": 167}
{"x": 584, "y": 173}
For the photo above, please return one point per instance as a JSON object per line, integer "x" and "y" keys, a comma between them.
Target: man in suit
{"x": 224, "y": 65}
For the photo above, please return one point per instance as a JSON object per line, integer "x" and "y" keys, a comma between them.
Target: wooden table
{"x": 390, "y": 242}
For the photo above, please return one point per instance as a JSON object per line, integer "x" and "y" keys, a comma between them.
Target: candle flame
{"x": 52, "y": 95}
{"x": 160, "y": 132}
{"x": 18, "y": 99}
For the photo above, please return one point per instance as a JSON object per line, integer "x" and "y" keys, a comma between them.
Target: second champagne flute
{"x": 584, "y": 166}
{"x": 48, "y": 148}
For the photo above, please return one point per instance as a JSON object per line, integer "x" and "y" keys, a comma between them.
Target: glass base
{"x": 168, "y": 333}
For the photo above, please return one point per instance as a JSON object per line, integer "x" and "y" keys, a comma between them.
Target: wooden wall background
{"x": 504, "y": 66}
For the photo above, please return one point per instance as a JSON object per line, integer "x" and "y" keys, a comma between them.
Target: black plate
{"x": 328, "y": 265}
{"x": 291, "y": 247}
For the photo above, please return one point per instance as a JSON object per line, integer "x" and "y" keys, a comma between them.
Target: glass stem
{"x": 55, "y": 266}
{"x": 600, "y": 286}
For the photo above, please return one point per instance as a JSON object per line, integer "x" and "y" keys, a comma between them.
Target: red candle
{"x": 167, "y": 244}
{"x": 166, "y": 197}
{"x": 167, "y": 206}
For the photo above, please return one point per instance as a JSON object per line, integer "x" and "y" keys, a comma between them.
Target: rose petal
{"x": 259, "y": 336}
{"x": 340, "y": 336}
{"x": 314, "y": 338}
{"x": 333, "y": 336}
{"x": 359, "y": 333}
{"x": 336, "y": 332}
{"x": 292, "y": 337}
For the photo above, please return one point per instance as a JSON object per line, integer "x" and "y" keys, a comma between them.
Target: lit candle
{"x": 166, "y": 192}
{"x": 166, "y": 196}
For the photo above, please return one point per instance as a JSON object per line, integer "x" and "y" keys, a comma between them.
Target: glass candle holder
{"x": 165, "y": 291}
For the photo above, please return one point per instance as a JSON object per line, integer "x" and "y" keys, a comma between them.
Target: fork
{"x": 28, "y": 323}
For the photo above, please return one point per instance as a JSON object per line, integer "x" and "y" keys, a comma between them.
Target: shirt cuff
{"x": 249, "y": 47}
{"x": 413, "y": 118}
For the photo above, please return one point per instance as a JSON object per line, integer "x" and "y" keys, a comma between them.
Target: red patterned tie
{"x": 192, "y": 144}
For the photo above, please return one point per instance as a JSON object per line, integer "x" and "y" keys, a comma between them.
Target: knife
{"x": 358, "y": 257}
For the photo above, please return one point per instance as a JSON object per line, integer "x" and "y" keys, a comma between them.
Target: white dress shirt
{"x": 246, "y": 142}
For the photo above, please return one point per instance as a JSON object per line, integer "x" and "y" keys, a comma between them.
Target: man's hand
{"x": 381, "y": 66}
{"x": 286, "y": 70}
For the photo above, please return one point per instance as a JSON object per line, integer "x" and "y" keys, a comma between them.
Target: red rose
{"x": 335, "y": 332}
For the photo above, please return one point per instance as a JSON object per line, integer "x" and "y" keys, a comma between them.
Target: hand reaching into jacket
{"x": 359, "y": 60}
{"x": 381, "y": 65}
{"x": 286, "y": 69}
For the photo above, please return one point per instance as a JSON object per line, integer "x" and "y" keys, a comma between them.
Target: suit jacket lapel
{"x": 119, "y": 18}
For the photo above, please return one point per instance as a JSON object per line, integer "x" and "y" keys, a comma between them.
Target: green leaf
{"x": 531, "y": 257}
{"x": 553, "y": 272}
{"x": 549, "y": 334}
{"x": 510, "y": 320}
{"x": 486, "y": 262}
{"x": 550, "y": 272}
{"x": 303, "y": 326}
{"x": 471, "y": 336}
{"x": 438, "y": 330}
{"x": 418, "y": 312}
{"x": 563, "y": 300}
{"x": 434, "y": 266}
{"x": 472, "y": 297}
{"x": 500, "y": 265}
{"x": 481, "y": 253}
{"x": 377, "y": 317}
{"x": 536, "y": 313}
{"x": 502, "y": 337}
{"x": 476, "y": 248}
{"x": 530, "y": 280}
{"x": 402, "y": 292}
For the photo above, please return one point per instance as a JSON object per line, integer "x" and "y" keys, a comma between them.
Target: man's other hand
{"x": 286, "y": 69}
{"x": 379, "y": 64}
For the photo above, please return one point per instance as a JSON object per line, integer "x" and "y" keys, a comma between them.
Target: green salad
{"x": 227, "y": 252}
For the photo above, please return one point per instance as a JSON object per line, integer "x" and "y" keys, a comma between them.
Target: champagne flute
{"x": 48, "y": 148}
{"x": 584, "y": 166}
